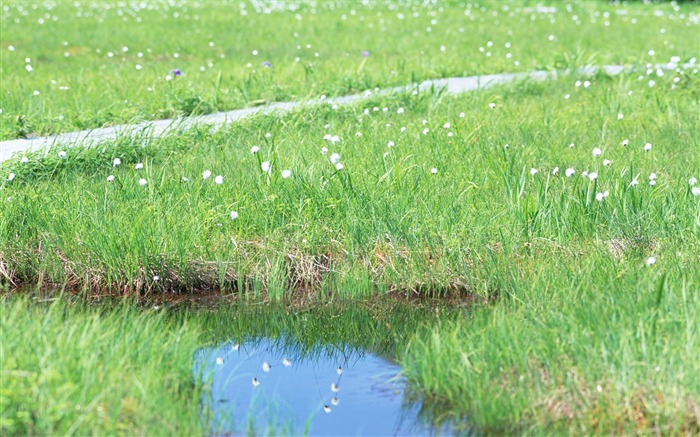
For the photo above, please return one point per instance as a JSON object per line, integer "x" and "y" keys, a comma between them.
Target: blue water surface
{"x": 272, "y": 387}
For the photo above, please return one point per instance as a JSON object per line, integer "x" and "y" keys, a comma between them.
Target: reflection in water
{"x": 271, "y": 387}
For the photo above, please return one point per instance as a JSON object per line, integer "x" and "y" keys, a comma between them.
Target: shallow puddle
{"x": 273, "y": 387}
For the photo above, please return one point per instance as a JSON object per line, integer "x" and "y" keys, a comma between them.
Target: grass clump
{"x": 68, "y": 368}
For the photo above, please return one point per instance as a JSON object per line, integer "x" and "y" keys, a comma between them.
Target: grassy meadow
{"x": 530, "y": 253}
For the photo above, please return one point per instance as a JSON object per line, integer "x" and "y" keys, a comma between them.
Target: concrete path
{"x": 453, "y": 85}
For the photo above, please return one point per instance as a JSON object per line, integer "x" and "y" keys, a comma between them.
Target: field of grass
{"x": 76, "y": 65}
{"x": 557, "y": 223}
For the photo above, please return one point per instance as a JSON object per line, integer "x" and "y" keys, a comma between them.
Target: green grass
{"x": 585, "y": 291}
{"x": 81, "y": 86}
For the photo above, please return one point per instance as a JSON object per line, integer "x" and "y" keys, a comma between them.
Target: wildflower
{"x": 235, "y": 346}
{"x": 597, "y": 152}
{"x": 219, "y": 361}
{"x": 156, "y": 278}
{"x": 324, "y": 150}
{"x": 185, "y": 179}
{"x": 219, "y": 180}
{"x": 569, "y": 172}
{"x": 695, "y": 191}
{"x": 28, "y": 68}
{"x": 24, "y": 160}
{"x": 61, "y": 154}
{"x": 606, "y": 162}
{"x": 461, "y": 115}
{"x": 634, "y": 182}
{"x": 592, "y": 176}
{"x": 446, "y": 125}
{"x": 335, "y": 158}
{"x": 110, "y": 178}
{"x": 116, "y": 162}
{"x": 652, "y": 182}
{"x": 586, "y": 84}
{"x": 266, "y": 166}
{"x": 175, "y": 72}
{"x": 142, "y": 182}
{"x": 335, "y": 139}
{"x": 651, "y": 260}
{"x": 625, "y": 143}
{"x": 286, "y": 174}
{"x": 234, "y": 215}
{"x": 692, "y": 181}
{"x": 533, "y": 171}
{"x": 339, "y": 370}
{"x": 326, "y": 408}
{"x": 571, "y": 146}
{"x": 255, "y": 382}
{"x": 492, "y": 105}
{"x": 138, "y": 166}
{"x": 206, "y": 174}
{"x": 339, "y": 166}
{"x": 652, "y": 83}
{"x": 286, "y": 362}
{"x": 399, "y": 111}
{"x": 403, "y": 128}
{"x": 433, "y": 170}
{"x": 266, "y": 366}
{"x": 358, "y": 134}
{"x": 555, "y": 171}
{"x": 365, "y": 53}
{"x": 11, "y": 176}
{"x": 599, "y": 197}
{"x": 652, "y": 176}
{"x": 620, "y": 116}
{"x": 425, "y": 131}
{"x": 390, "y": 144}
{"x": 266, "y": 64}
{"x": 647, "y": 147}
{"x": 335, "y": 401}
{"x": 335, "y": 388}
{"x": 254, "y": 150}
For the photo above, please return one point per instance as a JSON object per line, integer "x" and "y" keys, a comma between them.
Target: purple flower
{"x": 365, "y": 53}
{"x": 266, "y": 64}
{"x": 175, "y": 72}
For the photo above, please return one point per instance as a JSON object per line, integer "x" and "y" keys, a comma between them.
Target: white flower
{"x": 620, "y": 116}
{"x": 555, "y": 171}
{"x": 533, "y": 171}
{"x": 606, "y": 162}
{"x": 586, "y": 84}
{"x": 24, "y": 160}
{"x": 358, "y": 134}
{"x": 61, "y": 154}
{"x": 647, "y": 147}
{"x": 433, "y": 170}
{"x": 634, "y": 182}
{"x": 254, "y": 150}
{"x": 266, "y": 166}
{"x": 597, "y": 152}
{"x": 399, "y": 111}
{"x": 425, "y": 131}
{"x": 446, "y": 125}
{"x": 492, "y": 105}
{"x": 599, "y": 197}
{"x": 695, "y": 191}
{"x": 570, "y": 172}
{"x": 326, "y": 408}
{"x": 652, "y": 176}
{"x": 117, "y": 162}
{"x": 403, "y": 128}
{"x": 339, "y": 166}
{"x": 335, "y": 401}
{"x": 206, "y": 174}
{"x": 138, "y": 166}
{"x": 571, "y": 146}
{"x": 335, "y": 139}
{"x": 286, "y": 174}
{"x": 219, "y": 361}
{"x": 335, "y": 388}
{"x": 652, "y": 83}
{"x": 692, "y": 181}
{"x": 234, "y": 215}
{"x": 218, "y": 180}
{"x": 286, "y": 362}
{"x": 142, "y": 182}
{"x": 110, "y": 178}
{"x": 652, "y": 182}
{"x": 592, "y": 176}
{"x": 10, "y": 176}
{"x": 266, "y": 366}
{"x": 651, "y": 260}
{"x": 156, "y": 278}
{"x": 185, "y": 179}
{"x": 625, "y": 143}
{"x": 255, "y": 382}
{"x": 324, "y": 150}
{"x": 335, "y": 158}
{"x": 461, "y": 115}
{"x": 390, "y": 144}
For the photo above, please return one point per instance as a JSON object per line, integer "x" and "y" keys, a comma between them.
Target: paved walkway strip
{"x": 453, "y": 85}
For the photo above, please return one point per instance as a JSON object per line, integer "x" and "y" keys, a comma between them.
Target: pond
{"x": 265, "y": 386}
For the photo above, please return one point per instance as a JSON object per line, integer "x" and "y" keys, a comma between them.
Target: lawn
{"x": 553, "y": 228}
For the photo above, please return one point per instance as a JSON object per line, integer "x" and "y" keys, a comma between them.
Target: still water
{"x": 274, "y": 387}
